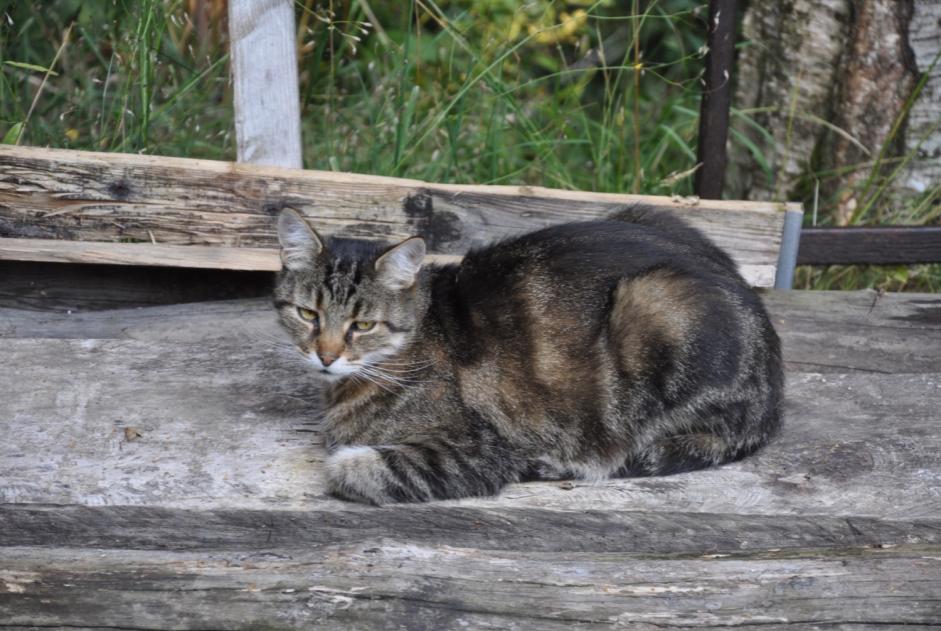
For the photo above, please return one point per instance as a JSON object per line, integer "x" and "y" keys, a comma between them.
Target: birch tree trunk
{"x": 829, "y": 80}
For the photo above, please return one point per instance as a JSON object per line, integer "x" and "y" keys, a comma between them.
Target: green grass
{"x": 469, "y": 91}
{"x": 473, "y": 91}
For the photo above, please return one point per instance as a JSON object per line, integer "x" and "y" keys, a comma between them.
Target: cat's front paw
{"x": 357, "y": 473}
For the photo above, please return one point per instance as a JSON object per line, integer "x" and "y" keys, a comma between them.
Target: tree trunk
{"x": 924, "y": 121}
{"x": 829, "y": 80}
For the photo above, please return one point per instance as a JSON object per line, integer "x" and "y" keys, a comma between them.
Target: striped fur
{"x": 627, "y": 346}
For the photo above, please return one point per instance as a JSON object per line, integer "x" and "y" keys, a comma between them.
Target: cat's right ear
{"x": 300, "y": 244}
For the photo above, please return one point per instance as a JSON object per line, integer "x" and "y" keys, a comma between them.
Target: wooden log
{"x": 264, "y": 80}
{"x": 393, "y": 582}
{"x": 82, "y": 196}
{"x": 534, "y": 530}
{"x": 190, "y": 445}
{"x": 232, "y": 422}
{"x": 882, "y": 245}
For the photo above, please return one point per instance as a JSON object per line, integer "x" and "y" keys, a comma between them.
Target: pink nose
{"x": 327, "y": 358}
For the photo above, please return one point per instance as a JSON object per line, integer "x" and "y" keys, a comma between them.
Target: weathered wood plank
{"x": 821, "y": 331}
{"x": 117, "y": 198}
{"x": 192, "y": 420}
{"x": 189, "y": 256}
{"x": 233, "y": 422}
{"x": 861, "y": 331}
{"x": 264, "y": 81}
{"x": 392, "y": 584}
{"x": 667, "y": 534}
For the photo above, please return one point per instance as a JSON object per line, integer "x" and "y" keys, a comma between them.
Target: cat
{"x": 625, "y": 346}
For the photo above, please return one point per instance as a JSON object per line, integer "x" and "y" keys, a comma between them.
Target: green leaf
{"x": 13, "y": 134}
{"x": 26, "y": 66}
{"x": 679, "y": 142}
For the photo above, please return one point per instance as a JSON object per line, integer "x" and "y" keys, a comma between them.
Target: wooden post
{"x": 716, "y": 99}
{"x": 264, "y": 73}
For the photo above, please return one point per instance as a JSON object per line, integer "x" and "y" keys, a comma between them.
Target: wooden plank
{"x": 635, "y": 534}
{"x": 858, "y": 331}
{"x": 232, "y": 422}
{"x": 883, "y": 245}
{"x": 264, "y": 81}
{"x": 390, "y": 583}
{"x": 161, "y": 255}
{"x": 157, "y": 254}
{"x": 821, "y": 331}
{"x": 209, "y": 512}
{"x": 83, "y": 196}
{"x": 716, "y": 98}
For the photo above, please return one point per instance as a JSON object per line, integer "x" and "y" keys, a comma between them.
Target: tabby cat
{"x": 626, "y": 346}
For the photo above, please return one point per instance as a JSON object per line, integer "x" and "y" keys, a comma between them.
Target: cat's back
{"x": 576, "y": 260}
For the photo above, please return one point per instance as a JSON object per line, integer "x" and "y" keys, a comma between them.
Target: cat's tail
{"x": 417, "y": 472}
{"x": 675, "y": 229}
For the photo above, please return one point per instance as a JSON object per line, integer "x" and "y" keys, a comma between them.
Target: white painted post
{"x": 264, "y": 72}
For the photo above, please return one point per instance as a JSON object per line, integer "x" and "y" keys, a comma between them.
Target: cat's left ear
{"x": 398, "y": 267}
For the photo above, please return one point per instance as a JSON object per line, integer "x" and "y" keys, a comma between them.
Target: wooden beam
{"x": 154, "y": 254}
{"x": 535, "y": 530}
{"x": 394, "y": 582}
{"x": 221, "y": 414}
{"x": 264, "y": 78}
{"x": 61, "y": 195}
{"x": 716, "y": 99}
{"x": 882, "y": 245}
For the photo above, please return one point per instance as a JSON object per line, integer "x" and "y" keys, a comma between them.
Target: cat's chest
{"x": 353, "y": 413}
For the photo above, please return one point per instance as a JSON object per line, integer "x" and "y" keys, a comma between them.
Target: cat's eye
{"x": 307, "y": 314}
{"x": 363, "y": 325}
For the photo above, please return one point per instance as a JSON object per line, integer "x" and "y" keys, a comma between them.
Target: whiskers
{"x": 390, "y": 375}
{"x": 279, "y": 343}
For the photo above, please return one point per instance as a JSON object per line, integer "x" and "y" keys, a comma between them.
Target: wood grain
{"x": 161, "y": 469}
{"x": 161, "y": 255}
{"x": 396, "y": 583}
{"x": 227, "y": 417}
{"x": 264, "y": 81}
{"x": 64, "y": 195}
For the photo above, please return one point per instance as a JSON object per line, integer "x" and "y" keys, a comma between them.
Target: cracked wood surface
{"x": 77, "y": 206}
{"x": 161, "y": 469}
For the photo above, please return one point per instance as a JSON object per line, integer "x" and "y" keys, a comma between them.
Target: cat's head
{"x": 346, "y": 303}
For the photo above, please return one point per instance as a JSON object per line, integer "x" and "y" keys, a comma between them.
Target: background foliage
{"x": 600, "y": 95}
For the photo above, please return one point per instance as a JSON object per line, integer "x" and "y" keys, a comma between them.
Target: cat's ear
{"x": 300, "y": 244}
{"x": 398, "y": 267}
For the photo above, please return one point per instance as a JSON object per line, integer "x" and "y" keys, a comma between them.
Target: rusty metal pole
{"x": 716, "y": 98}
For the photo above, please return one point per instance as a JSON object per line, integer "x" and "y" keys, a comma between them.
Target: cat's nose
{"x": 327, "y": 358}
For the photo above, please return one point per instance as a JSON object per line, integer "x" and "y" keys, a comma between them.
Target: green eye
{"x": 307, "y": 314}
{"x": 363, "y": 325}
